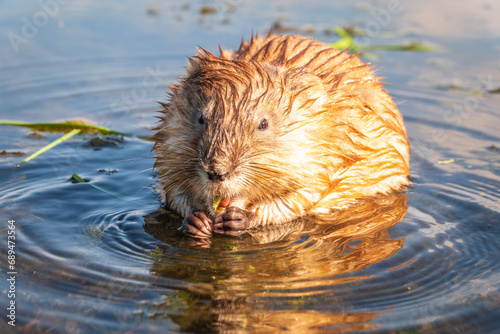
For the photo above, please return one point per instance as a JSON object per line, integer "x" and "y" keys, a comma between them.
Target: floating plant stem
{"x": 51, "y": 145}
{"x": 347, "y": 41}
{"x": 413, "y": 46}
{"x": 77, "y": 178}
{"x": 107, "y": 191}
{"x": 71, "y": 128}
{"x": 84, "y": 127}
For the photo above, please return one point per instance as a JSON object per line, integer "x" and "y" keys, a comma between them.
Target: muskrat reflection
{"x": 233, "y": 283}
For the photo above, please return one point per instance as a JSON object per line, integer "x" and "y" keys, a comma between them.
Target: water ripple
{"x": 426, "y": 261}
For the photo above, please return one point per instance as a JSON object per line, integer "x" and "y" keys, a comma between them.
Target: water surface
{"x": 91, "y": 262}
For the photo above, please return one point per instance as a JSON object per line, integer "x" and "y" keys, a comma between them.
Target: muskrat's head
{"x": 232, "y": 130}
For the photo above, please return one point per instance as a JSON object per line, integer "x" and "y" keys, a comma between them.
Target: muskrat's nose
{"x": 217, "y": 177}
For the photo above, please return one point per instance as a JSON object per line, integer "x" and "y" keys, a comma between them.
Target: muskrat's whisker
{"x": 147, "y": 186}
{"x": 145, "y": 170}
{"x": 277, "y": 168}
{"x": 262, "y": 182}
{"x": 135, "y": 159}
{"x": 267, "y": 172}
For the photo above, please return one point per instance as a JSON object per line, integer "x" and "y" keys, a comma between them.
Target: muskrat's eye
{"x": 263, "y": 125}
{"x": 201, "y": 119}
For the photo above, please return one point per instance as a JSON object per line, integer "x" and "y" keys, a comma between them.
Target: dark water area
{"x": 112, "y": 261}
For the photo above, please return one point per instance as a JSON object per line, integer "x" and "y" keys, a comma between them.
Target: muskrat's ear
{"x": 307, "y": 91}
{"x": 196, "y": 61}
{"x": 202, "y": 58}
{"x": 194, "y": 65}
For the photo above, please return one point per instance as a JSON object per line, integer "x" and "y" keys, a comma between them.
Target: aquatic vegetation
{"x": 155, "y": 254}
{"x": 71, "y": 128}
{"x": 85, "y": 127}
{"x": 78, "y": 179}
{"x": 51, "y": 145}
{"x": 94, "y": 232}
{"x": 347, "y": 41}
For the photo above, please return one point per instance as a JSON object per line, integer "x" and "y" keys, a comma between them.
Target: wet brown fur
{"x": 334, "y": 134}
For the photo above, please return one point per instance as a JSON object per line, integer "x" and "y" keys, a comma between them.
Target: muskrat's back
{"x": 284, "y": 127}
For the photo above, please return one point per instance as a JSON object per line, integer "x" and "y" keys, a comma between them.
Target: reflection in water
{"x": 260, "y": 281}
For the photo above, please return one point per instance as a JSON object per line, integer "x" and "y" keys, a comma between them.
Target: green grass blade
{"x": 347, "y": 41}
{"x": 64, "y": 127}
{"x": 107, "y": 191}
{"x": 51, "y": 145}
{"x": 418, "y": 47}
{"x": 78, "y": 178}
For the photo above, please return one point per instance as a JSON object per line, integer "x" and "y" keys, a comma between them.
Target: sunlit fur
{"x": 334, "y": 134}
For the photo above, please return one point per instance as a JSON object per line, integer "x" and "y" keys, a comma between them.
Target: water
{"x": 91, "y": 262}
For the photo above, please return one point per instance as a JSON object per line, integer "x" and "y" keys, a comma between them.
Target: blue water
{"x": 88, "y": 261}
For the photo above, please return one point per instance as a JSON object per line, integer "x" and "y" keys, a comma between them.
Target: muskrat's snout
{"x": 216, "y": 170}
{"x": 217, "y": 176}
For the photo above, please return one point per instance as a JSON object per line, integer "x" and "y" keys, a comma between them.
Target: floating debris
{"x": 12, "y": 153}
{"x": 443, "y": 162}
{"x": 206, "y": 10}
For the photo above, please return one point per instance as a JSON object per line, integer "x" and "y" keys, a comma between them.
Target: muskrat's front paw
{"x": 232, "y": 221}
{"x": 197, "y": 225}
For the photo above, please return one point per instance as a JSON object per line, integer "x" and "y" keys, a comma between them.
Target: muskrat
{"x": 284, "y": 127}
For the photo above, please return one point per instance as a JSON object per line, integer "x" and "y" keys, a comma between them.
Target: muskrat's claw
{"x": 197, "y": 225}
{"x": 232, "y": 221}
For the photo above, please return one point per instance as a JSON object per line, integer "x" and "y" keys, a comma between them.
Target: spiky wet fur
{"x": 334, "y": 134}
